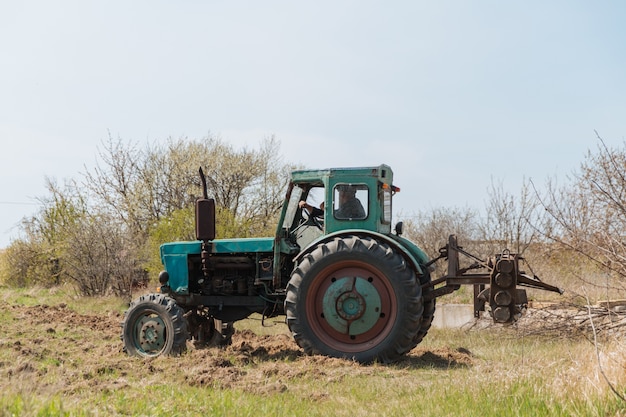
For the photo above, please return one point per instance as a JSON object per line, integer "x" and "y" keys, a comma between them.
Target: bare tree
{"x": 587, "y": 217}
{"x": 508, "y": 221}
{"x": 141, "y": 187}
{"x": 430, "y": 230}
{"x": 113, "y": 183}
{"x": 98, "y": 259}
{"x": 267, "y": 191}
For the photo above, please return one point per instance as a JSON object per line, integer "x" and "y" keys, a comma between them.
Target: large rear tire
{"x": 154, "y": 325}
{"x": 354, "y": 297}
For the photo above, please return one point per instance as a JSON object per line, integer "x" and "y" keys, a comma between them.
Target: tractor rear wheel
{"x": 354, "y": 297}
{"x": 154, "y": 325}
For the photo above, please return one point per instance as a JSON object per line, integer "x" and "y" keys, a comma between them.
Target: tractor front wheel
{"x": 354, "y": 297}
{"x": 154, "y": 325}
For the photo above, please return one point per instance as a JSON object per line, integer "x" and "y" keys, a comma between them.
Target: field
{"x": 61, "y": 355}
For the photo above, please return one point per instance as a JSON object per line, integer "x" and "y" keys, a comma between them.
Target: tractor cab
{"x": 343, "y": 199}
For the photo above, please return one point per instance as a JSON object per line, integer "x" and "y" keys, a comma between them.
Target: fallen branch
{"x": 569, "y": 319}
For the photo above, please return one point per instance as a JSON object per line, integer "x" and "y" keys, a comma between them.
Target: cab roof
{"x": 382, "y": 172}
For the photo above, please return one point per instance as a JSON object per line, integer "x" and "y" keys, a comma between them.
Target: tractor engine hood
{"x": 174, "y": 256}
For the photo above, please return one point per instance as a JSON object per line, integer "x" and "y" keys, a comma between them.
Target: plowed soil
{"x": 54, "y": 350}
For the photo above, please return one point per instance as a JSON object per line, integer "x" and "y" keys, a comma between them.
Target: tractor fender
{"x": 415, "y": 256}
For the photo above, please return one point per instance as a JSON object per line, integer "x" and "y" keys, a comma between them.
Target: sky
{"x": 452, "y": 94}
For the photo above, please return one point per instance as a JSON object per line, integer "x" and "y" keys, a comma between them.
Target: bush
{"x": 25, "y": 264}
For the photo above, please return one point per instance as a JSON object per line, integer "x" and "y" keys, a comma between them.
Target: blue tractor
{"x": 349, "y": 285}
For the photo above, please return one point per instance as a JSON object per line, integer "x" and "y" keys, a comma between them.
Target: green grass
{"x": 65, "y": 359}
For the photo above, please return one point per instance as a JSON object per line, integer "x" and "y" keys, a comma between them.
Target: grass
{"x": 61, "y": 355}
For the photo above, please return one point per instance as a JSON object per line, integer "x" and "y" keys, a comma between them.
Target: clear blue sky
{"x": 449, "y": 93}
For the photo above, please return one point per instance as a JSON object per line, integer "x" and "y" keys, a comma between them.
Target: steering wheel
{"x": 312, "y": 219}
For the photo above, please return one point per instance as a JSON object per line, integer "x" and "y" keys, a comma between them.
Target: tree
{"x": 142, "y": 187}
{"x": 588, "y": 216}
{"x": 102, "y": 233}
{"x": 99, "y": 258}
{"x": 431, "y": 229}
{"x": 268, "y": 189}
{"x": 38, "y": 257}
{"x": 508, "y": 221}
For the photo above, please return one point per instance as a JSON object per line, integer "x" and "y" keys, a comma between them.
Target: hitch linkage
{"x": 497, "y": 286}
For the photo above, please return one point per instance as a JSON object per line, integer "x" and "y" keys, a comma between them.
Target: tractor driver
{"x": 350, "y": 206}
{"x": 315, "y": 212}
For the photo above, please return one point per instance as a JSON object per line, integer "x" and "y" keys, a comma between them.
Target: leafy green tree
{"x": 38, "y": 257}
{"x": 21, "y": 264}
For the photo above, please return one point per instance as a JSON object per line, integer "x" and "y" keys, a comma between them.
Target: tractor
{"x": 348, "y": 284}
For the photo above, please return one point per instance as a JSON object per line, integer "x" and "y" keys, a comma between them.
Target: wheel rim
{"x": 150, "y": 333}
{"x": 352, "y": 306}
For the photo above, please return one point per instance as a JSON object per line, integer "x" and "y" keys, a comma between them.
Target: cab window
{"x": 350, "y": 201}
